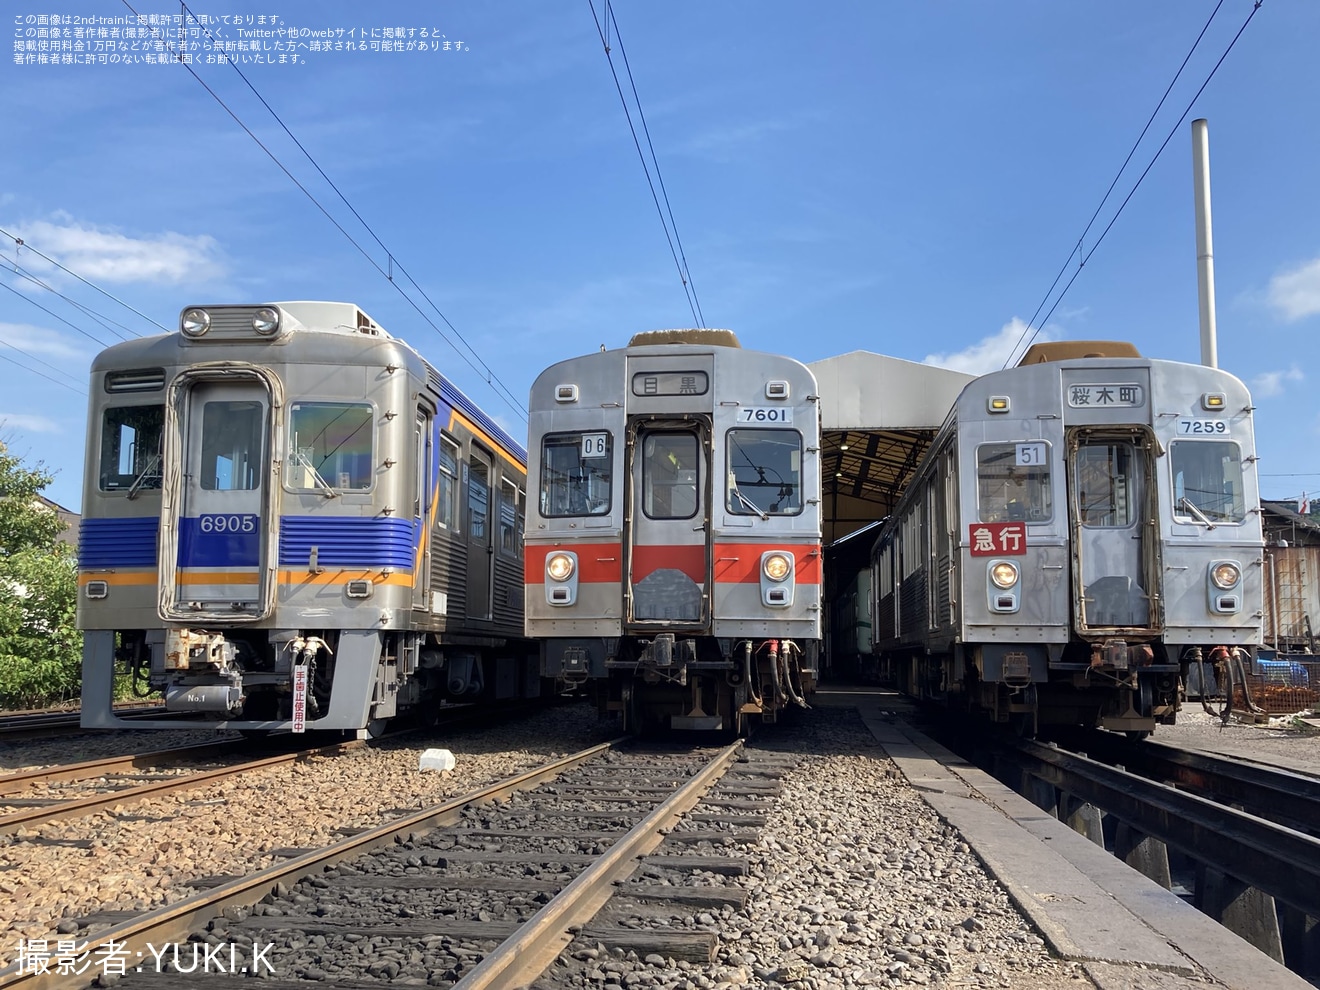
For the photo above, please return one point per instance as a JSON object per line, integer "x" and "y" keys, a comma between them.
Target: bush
{"x": 40, "y": 646}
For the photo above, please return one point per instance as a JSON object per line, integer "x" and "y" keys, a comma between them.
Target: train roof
{"x": 1067, "y": 350}
{"x": 703, "y": 336}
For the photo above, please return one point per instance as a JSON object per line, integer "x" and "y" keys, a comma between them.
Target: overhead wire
{"x": 487, "y": 374}
{"x": 102, "y": 321}
{"x": 22, "y": 242}
{"x": 689, "y": 290}
{"x": 1032, "y": 329}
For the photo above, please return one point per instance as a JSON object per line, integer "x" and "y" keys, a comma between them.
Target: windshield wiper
{"x": 146, "y": 473}
{"x": 1190, "y": 506}
{"x": 748, "y": 503}
{"x": 317, "y": 480}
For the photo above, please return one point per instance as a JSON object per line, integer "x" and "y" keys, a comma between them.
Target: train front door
{"x": 222, "y": 491}
{"x": 667, "y": 548}
{"x": 1113, "y": 573}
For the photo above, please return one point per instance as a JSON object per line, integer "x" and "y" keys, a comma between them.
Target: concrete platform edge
{"x": 1088, "y": 905}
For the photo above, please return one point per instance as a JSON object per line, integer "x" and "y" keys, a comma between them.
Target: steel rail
{"x": 1281, "y": 795}
{"x": 11, "y": 782}
{"x": 78, "y": 807}
{"x": 537, "y": 943}
{"x": 1275, "y": 859}
{"x": 174, "y": 922}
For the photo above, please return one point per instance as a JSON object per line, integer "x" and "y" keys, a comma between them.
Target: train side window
{"x": 577, "y": 474}
{"x": 1013, "y": 482}
{"x": 447, "y": 483}
{"x": 130, "y": 447}
{"x": 1207, "y": 475}
{"x": 509, "y": 505}
{"x": 330, "y": 446}
{"x": 231, "y": 446}
{"x": 765, "y": 472}
{"x": 670, "y": 479}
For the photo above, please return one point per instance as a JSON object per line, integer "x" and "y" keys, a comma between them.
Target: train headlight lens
{"x": 559, "y": 566}
{"x": 776, "y": 566}
{"x": 195, "y": 322}
{"x": 1225, "y": 575}
{"x": 1004, "y": 574}
{"x": 265, "y": 321}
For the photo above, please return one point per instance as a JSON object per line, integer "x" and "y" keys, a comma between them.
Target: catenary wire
{"x": 505, "y": 395}
{"x": 1032, "y": 329}
{"x": 687, "y": 289}
{"x": 641, "y": 115}
{"x": 491, "y": 377}
{"x": 19, "y": 242}
{"x": 51, "y": 312}
{"x": 101, "y": 320}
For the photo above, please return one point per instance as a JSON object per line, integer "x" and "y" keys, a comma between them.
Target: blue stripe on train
{"x": 340, "y": 542}
{"x": 118, "y": 542}
{"x": 217, "y": 550}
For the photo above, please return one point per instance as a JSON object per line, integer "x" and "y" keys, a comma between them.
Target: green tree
{"x": 40, "y": 646}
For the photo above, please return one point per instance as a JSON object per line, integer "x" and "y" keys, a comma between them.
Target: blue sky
{"x": 903, "y": 178}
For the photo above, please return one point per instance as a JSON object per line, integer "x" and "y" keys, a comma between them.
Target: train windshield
{"x": 765, "y": 472}
{"x": 330, "y": 446}
{"x": 576, "y": 474}
{"x": 130, "y": 448}
{"x": 1207, "y": 481}
{"x": 1013, "y": 482}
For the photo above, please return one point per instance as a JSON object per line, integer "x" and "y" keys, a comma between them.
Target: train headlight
{"x": 266, "y": 321}
{"x": 1004, "y": 574}
{"x": 195, "y": 322}
{"x": 1225, "y": 574}
{"x": 776, "y": 566}
{"x": 559, "y": 566}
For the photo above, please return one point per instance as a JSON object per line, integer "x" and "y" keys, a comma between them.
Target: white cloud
{"x": 105, "y": 255}
{"x": 989, "y": 353}
{"x": 1271, "y": 383}
{"x": 32, "y": 424}
{"x": 38, "y": 340}
{"x": 1296, "y": 293}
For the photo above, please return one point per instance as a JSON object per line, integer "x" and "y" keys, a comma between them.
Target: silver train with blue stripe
{"x": 292, "y": 522}
{"x": 1083, "y": 537}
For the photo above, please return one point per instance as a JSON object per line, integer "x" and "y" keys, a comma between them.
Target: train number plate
{"x": 1201, "y": 428}
{"x": 227, "y": 522}
{"x": 765, "y": 414}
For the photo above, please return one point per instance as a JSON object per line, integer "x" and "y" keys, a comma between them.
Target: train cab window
{"x": 130, "y": 448}
{"x": 330, "y": 446}
{"x": 447, "y": 484}
{"x": 1105, "y": 480}
{"x": 576, "y": 474}
{"x": 231, "y": 445}
{"x": 1013, "y": 482}
{"x": 670, "y": 476}
{"x": 765, "y": 472}
{"x": 1207, "y": 481}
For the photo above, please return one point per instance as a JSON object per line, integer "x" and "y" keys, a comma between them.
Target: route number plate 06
{"x": 1201, "y": 428}
{"x": 765, "y": 414}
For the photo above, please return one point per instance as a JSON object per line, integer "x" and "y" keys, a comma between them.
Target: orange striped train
{"x": 673, "y": 545}
{"x": 291, "y": 521}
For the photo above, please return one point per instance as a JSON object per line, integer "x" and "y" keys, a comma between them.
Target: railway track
{"x": 29, "y": 725}
{"x": 39, "y": 796}
{"x": 489, "y": 889}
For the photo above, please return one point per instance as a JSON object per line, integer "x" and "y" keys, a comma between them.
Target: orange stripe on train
{"x": 734, "y": 563}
